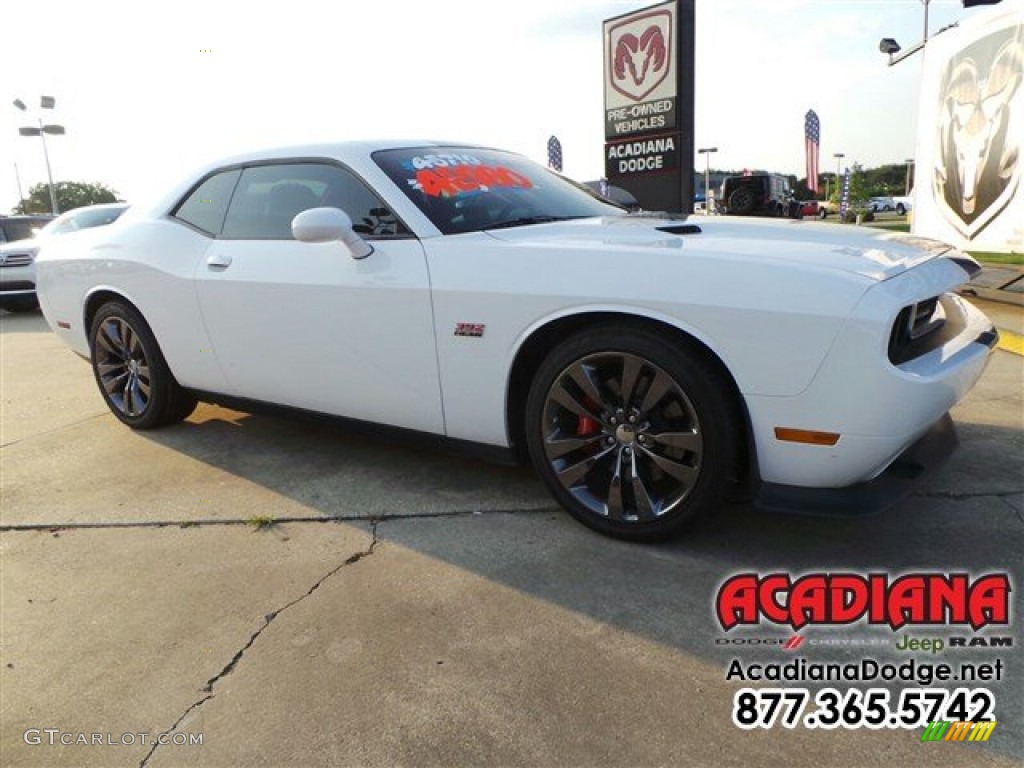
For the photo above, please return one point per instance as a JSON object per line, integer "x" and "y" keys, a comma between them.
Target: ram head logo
{"x": 640, "y": 54}
{"x": 638, "y": 57}
{"x": 981, "y": 121}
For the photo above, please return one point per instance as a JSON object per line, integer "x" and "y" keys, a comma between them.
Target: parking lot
{"x": 299, "y": 595}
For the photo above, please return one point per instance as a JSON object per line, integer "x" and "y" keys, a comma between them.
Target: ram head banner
{"x": 970, "y": 190}
{"x": 981, "y": 121}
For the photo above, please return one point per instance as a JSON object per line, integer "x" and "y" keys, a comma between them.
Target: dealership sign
{"x": 640, "y": 75}
{"x": 648, "y": 100}
{"x": 641, "y": 155}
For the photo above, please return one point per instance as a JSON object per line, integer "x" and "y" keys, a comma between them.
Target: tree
{"x": 858, "y": 184}
{"x": 70, "y": 195}
{"x": 886, "y": 180}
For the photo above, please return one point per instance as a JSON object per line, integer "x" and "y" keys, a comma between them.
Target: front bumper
{"x": 895, "y": 483}
{"x": 877, "y": 407}
{"x": 17, "y": 280}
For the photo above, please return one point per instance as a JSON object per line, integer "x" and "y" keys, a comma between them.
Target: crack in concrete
{"x": 210, "y": 522}
{"x": 46, "y": 432}
{"x": 959, "y": 496}
{"x": 1018, "y": 512}
{"x": 268, "y": 619}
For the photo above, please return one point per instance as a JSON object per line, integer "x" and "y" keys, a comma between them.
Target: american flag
{"x": 812, "y": 138}
{"x": 555, "y": 154}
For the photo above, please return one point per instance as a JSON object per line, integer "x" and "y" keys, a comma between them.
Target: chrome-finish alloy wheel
{"x": 622, "y": 437}
{"x": 122, "y": 367}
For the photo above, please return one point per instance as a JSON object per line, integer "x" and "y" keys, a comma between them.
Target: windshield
{"x": 466, "y": 189}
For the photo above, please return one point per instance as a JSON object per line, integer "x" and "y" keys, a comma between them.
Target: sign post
{"x": 648, "y": 100}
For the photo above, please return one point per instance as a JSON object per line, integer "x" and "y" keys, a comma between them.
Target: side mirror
{"x": 325, "y": 225}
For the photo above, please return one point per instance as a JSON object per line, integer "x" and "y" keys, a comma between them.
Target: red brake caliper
{"x": 584, "y": 424}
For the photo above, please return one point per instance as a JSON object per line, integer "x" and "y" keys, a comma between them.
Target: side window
{"x": 206, "y": 206}
{"x": 269, "y": 197}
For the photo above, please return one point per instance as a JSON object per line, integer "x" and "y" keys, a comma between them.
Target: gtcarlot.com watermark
{"x": 54, "y": 736}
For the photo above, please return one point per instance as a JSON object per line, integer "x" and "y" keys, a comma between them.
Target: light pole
{"x": 17, "y": 178}
{"x": 706, "y": 151}
{"x": 45, "y": 102}
{"x": 910, "y": 162}
{"x": 896, "y": 54}
{"x": 838, "y": 156}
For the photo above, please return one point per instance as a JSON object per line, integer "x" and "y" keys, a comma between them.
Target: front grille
{"x": 21, "y": 259}
{"x": 917, "y": 330}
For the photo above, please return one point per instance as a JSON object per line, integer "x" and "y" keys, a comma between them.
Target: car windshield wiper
{"x": 527, "y": 220}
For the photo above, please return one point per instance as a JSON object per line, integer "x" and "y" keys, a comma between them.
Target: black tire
{"x": 742, "y": 201}
{"x": 901, "y": 209}
{"x": 634, "y": 435}
{"x": 823, "y": 212}
{"x": 131, "y": 372}
{"x": 20, "y": 304}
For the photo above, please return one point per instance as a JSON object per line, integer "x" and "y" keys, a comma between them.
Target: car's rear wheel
{"x": 131, "y": 372}
{"x": 634, "y": 435}
{"x": 901, "y": 209}
{"x": 823, "y": 213}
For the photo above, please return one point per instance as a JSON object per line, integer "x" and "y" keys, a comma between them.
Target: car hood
{"x": 28, "y": 245}
{"x": 871, "y": 253}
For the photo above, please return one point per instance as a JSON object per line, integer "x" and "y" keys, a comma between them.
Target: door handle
{"x": 221, "y": 260}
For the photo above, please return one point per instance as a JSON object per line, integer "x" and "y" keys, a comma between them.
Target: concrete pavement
{"x": 411, "y": 608}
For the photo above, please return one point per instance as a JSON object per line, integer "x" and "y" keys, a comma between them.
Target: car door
{"x": 305, "y": 324}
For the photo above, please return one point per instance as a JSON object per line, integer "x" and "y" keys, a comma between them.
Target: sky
{"x": 148, "y": 91}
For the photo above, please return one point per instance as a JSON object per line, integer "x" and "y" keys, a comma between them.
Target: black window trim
{"x": 172, "y": 214}
{"x": 243, "y": 166}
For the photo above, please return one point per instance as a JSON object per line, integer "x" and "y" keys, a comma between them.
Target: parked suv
{"x": 760, "y": 194}
{"x": 20, "y": 227}
{"x": 18, "y": 253}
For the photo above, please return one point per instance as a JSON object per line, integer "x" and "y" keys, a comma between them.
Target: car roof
{"x": 356, "y": 154}
{"x": 341, "y": 149}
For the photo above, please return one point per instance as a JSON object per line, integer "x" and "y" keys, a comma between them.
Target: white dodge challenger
{"x": 648, "y": 365}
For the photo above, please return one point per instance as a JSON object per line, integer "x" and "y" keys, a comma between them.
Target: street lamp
{"x": 45, "y": 102}
{"x": 838, "y": 156}
{"x": 706, "y": 151}
{"x": 890, "y": 47}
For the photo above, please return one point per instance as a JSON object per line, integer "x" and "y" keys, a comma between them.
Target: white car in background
{"x": 648, "y": 365}
{"x": 904, "y": 203}
{"x": 17, "y": 258}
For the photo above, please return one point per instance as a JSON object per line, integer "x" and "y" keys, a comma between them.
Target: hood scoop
{"x": 680, "y": 229}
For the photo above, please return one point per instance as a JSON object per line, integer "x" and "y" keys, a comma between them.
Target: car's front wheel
{"x": 131, "y": 372}
{"x": 901, "y": 209}
{"x": 634, "y": 435}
